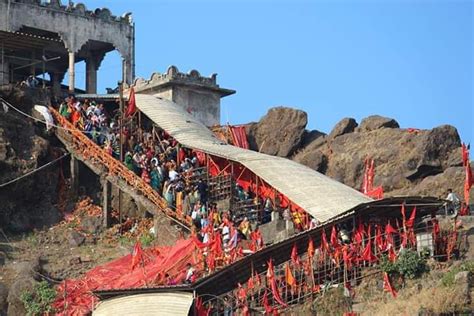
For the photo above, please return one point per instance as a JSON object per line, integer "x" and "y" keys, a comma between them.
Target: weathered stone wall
{"x": 199, "y": 95}
{"x": 202, "y": 105}
{"x": 75, "y": 25}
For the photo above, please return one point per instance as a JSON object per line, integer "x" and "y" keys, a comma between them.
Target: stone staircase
{"x": 112, "y": 170}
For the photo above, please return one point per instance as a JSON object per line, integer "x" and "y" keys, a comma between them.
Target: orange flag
{"x": 290, "y": 280}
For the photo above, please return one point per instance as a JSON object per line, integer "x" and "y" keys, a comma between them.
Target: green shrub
{"x": 146, "y": 239}
{"x": 409, "y": 264}
{"x": 448, "y": 277}
{"x": 38, "y": 301}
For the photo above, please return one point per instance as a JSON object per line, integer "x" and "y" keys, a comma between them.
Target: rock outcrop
{"x": 279, "y": 133}
{"x": 28, "y": 203}
{"x": 407, "y": 161}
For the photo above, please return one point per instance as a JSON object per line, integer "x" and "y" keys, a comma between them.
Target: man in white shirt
{"x": 453, "y": 197}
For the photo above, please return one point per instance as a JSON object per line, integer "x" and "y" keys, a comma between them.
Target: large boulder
{"x": 28, "y": 203}
{"x": 279, "y": 133}
{"x": 344, "y": 126}
{"x": 374, "y": 122}
{"x": 315, "y": 159}
{"x": 402, "y": 158}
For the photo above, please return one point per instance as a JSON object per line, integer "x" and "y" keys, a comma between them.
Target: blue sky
{"x": 410, "y": 60}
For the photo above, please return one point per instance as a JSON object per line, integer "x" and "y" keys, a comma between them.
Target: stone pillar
{"x": 72, "y": 72}
{"x": 4, "y": 72}
{"x": 74, "y": 167}
{"x": 91, "y": 75}
{"x": 127, "y": 71}
{"x": 106, "y": 202}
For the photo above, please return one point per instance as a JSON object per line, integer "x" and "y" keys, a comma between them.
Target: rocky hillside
{"x": 407, "y": 161}
{"x": 28, "y": 203}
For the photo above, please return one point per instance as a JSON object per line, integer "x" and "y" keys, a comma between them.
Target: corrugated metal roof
{"x": 321, "y": 196}
{"x": 157, "y": 304}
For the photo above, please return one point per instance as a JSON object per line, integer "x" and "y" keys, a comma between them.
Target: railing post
{"x": 106, "y": 201}
{"x": 74, "y": 169}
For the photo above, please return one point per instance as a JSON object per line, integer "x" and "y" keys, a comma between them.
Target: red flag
{"x": 365, "y": 180}
{"x": 392, "y": 256}
{"x": 250, "y": 283}
{"x": 370, "y": 177}
{"x": 270, "y": 274}
{"x": 411, "y": 221}
{"x": 273, "y": 284}
{"x": 241, "y": 294}
{"x": 379, "y": 242}
{"x": 310, "y": 248}
{"x": 464, "y": 154}
{"x": 217, "y": 246}
{"x": 294, "y": 255}
{"x": 132, "y": 105}
{"x": 435, "y": 229}
{"x": 334, "y": 239}
{"x": 367, "y": 254}
{"x": 468, "y": 183}
{"x": 324, "y": 243}
{"x": 389, "y": 231}
{"x": 404, "y": 218}
{"x": 359, "y": 233}
{"x": 346, "y": 257}
{"x": 387, "y": 286}
{"x": 210, "y": 261}
{"x": 266, "y": 305}
{"x": 137, "y": 254}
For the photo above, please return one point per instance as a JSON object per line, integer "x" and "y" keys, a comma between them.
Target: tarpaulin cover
{"x": 74, "y": 297}
{"x": 239, "y": 137}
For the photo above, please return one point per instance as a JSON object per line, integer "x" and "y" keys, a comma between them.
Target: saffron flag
{"x": 290, "y": 279}
{"x": 132, "y": 105}
{"x": 137, "y": 254}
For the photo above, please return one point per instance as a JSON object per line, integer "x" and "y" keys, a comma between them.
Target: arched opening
{"x": 110, "y": 72}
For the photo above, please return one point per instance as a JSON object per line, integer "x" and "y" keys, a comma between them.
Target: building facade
{"x": 38, "y": 37}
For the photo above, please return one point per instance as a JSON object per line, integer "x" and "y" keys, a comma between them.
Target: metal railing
{"x": 91, "y": 151}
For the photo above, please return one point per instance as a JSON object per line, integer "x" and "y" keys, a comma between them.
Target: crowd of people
{"x": 175, "y": 173}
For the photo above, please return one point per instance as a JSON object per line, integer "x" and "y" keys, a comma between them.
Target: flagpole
{"x": 121, "y": 105}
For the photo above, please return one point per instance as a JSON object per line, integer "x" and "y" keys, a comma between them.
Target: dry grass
{"x": 436, "y": 300}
